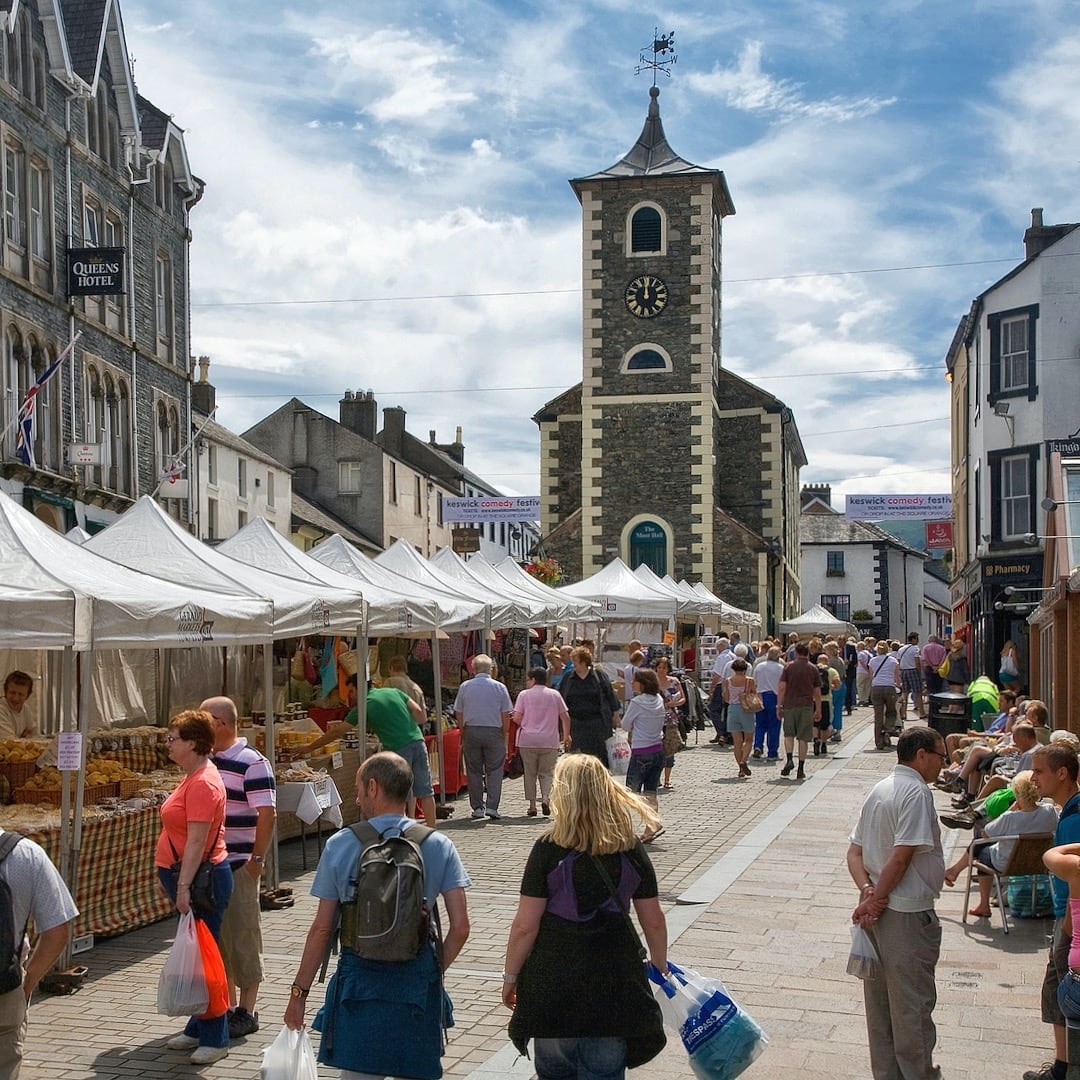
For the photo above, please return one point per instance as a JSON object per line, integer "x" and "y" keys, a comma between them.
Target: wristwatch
{"x": 298, "y": 991}
{"x": 258, "y": 858}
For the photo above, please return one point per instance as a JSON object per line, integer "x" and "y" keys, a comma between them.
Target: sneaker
{"x": 207, "y": 1055}
{"x": 959, "y": 820}
{"x": 835, "y": 738}
{"x": 478, "y": 815}
{"x": 493, "y": 814}
{"x": 1044, "y": 1072}
{"x": 182, "y": 1042}
{"x": 242, "y": 1023}
{"x": 757, "y": 752}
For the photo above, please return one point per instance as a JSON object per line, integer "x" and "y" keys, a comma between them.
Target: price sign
{"x": 336, "y": 760}
{"x": 69, "y": 751}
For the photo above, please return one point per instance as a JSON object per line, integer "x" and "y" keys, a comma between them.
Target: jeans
{"x": 644, "y": 771}
{"x": 215, "y": 1030}
{"x": 1068, "y": 995}
{"x": 839, "y": 695}
{"x": 599, "y": 1058}
{"x": 767, "y": 725}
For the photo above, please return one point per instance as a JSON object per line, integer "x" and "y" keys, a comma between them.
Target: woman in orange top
{"x": 193, "y": 831}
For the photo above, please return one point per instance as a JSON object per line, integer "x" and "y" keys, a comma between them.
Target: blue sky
{"x": 387, "y": 203}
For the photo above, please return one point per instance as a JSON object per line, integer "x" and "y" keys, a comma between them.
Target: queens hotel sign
{"x": 95, "y": 271}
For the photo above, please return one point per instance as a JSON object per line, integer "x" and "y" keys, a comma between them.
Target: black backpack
{"x": 389, "y": 920}
{"x": 11, "y": 942}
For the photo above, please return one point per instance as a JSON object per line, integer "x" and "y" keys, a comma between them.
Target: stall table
{"x": 309, "y": 803}
{"x": 118, "y": 886}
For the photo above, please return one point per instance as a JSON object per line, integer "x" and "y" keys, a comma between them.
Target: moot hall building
{"x": 659, "y": 455}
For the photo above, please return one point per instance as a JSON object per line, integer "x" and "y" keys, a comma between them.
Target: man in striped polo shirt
{"x": 250, "y": 814}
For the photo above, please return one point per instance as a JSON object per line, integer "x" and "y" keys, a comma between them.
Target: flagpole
{"x": 54, "y": 366}
{"x": 183, "y": 450}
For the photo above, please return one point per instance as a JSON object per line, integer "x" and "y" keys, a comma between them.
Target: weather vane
{"x": 663, "y": 55}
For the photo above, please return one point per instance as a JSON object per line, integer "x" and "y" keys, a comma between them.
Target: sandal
{"x": 978, "y": 913}
{"x": 531, "y": 812}
{"x": 652, "y": 836}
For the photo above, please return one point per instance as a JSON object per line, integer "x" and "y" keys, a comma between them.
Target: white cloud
{"x": 748, "y": 88}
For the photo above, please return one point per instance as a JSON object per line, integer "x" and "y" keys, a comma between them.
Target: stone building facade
{"x": 659, "y": 455}
{"x": 89, "y": 163}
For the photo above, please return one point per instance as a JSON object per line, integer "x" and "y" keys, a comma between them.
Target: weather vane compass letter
{"x": 663, "y": 55}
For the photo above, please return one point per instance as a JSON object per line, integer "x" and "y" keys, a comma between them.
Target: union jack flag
{"x": 24, "y": 440}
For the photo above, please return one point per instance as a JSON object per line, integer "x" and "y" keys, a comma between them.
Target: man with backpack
{"x": 30, "y": 886}
{"x": 385, "y": 1011}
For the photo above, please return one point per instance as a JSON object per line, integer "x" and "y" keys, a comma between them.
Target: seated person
{"x": 1026, "y": 817}
{"x": 15, "y": 723}
{"x": 1007, "y": 757}
{"x": 955, "y": 742}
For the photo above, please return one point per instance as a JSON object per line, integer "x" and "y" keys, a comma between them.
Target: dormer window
{"x": 646, "y": 230}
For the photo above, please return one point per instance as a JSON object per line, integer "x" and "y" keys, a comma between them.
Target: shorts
{"x": 823, "y": 721}
{"x": 1057, "y": 967}
{"x": 799, "y": 722}
{"x": 415, "y": 753}
{"x": 1069, "y": 996}
{"x": 241, "y": 932}
{"x": 911, "y": 680}
{"x": 739, "y": 720}
{"x": 643, "y": 773}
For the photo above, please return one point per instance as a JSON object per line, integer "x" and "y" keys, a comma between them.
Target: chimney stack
{"x": 203, "y": 393}
{"x": 1039, "y": 236}
{"x": 358, "y": 413}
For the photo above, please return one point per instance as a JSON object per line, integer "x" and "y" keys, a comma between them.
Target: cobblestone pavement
{"x": 752, "y": 877}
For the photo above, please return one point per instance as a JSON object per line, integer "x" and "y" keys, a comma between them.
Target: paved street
{"x": 752, "y": 876}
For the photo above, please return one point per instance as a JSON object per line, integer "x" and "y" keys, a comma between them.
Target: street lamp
{"x": 1053, "y": 504}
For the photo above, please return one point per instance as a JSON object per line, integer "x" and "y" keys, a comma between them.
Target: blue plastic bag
{"x": 721, "y": 1039}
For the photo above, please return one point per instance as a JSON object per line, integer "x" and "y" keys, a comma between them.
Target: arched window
{"x": 648, "y": 544}
{"x": 47, "y": 418}
{"x": 122, "y": 460}
{"x": 647, "y": 230}
{"x": 95, "y": 423}
{"x": 647, "y": 356}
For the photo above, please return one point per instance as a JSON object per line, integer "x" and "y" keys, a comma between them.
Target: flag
{"x": 24, "y": 440}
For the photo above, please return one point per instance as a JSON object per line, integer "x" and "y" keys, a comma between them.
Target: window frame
{"x": 995, "y": 322}
{"x": 14, "y": 185}
{"x": 834, "y": 564}
{"x": 241, "y": 478}
{"x": 626, "y": 367}
{"x": 164, "y": 305}
{"x": 354, "y": 470}
{"x": 998, "y": 460}
{"x": 831, "y": 602}
{"x": 662, "y": 250}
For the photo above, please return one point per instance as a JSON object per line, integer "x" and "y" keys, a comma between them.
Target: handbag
{"x": 943, "y": 668}
{"x": 751, "y": 702}
{"x": 515, "y": 767}
{"x": 673, "y": 740}
{"x": 202, "y": 884}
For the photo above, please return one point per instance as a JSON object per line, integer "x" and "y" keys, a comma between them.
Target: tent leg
{"x": 436, "y": 672}
{"x": 272, "y": 869}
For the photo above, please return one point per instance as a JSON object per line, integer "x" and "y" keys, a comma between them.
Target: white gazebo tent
{"x": 527, "y": 610}
{"x": 817, "y": 621}
{"x": 575, "y": 608}
{"x": 55, "y": 594}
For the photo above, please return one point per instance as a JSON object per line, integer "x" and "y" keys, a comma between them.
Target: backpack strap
{"x": 8, "y": 842}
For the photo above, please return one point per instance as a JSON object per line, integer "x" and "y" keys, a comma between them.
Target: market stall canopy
{"x": 691, "y": 604}
{"x": 56, "y": 594}
{"x": 146, "y": 538}
{"x": 390, "y": 613}
{"x": 621, "y": 595}
{"x": 728, "y": 612}
{"x": 404, "y": 559}
{"x": 477, "y": 574}
{"x": 817, "y": 621}
{"x": 694, "y": 601}
{"x": 454, "y": 612}
{"x": 577, "y": 609}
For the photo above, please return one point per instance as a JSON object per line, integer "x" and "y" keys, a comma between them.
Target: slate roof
{"x": 224, "y": 437}
{"x": 834, "y": 528}
{"x": 154, "y": 124}
{"x": 84, "y": 22}
{"x": 309, "y": 513}
{"x": 652, "y": 155}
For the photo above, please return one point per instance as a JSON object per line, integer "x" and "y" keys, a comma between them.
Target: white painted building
{"x": 859, "y": 572}
{"x": 1014, "y": 366}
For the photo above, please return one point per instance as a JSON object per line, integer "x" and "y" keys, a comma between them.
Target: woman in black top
{"x": 574, "y": 973}
{"x": 592, "y": 704}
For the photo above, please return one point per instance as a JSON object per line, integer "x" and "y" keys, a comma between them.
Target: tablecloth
{"x": 310, "y": 801}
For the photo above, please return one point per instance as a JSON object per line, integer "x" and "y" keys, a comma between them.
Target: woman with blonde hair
{"x": 1027, "y": 816}
{"x": 1009, "y": 673}
{"x": 574, "y": 972}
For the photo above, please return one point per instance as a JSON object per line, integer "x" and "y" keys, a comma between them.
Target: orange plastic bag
{"x": 214, "y": 970}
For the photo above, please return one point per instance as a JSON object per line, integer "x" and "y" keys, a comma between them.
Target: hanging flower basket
{"x": 546, "y": 571}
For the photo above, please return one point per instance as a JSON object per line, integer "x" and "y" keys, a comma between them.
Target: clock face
{"x": 646, "y": 296}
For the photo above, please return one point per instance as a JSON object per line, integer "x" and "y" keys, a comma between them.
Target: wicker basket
{"x": 53, "y": 796}
{"x": 127, "y": 788}
{"x": 348, "y": 662}
{"x": 17, "y": 772}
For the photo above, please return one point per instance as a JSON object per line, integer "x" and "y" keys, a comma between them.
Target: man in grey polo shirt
{"x": 483, "y": 712}
{"x": 895, "y": 859}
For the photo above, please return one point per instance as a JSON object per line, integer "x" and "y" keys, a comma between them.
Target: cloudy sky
{"x": 387, "y": 203}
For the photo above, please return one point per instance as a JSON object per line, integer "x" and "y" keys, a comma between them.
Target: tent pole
{"x": 225, "y": 671}
{"x": 362, "y": 677}
{"x": 436, "y": 671}
{"x": 268, "y": 729}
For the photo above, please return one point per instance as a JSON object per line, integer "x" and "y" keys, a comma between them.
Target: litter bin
{"x": 950, "y": 713}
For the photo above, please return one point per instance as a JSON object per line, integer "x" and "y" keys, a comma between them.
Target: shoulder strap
{"x": 606, "y": 878}
{"x": 8, "y": 843}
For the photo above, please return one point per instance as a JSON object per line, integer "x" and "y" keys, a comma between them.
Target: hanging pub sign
{"x": 95, "y": 271}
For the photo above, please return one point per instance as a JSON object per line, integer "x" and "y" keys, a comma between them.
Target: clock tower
{"x": 637, "y": 459}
